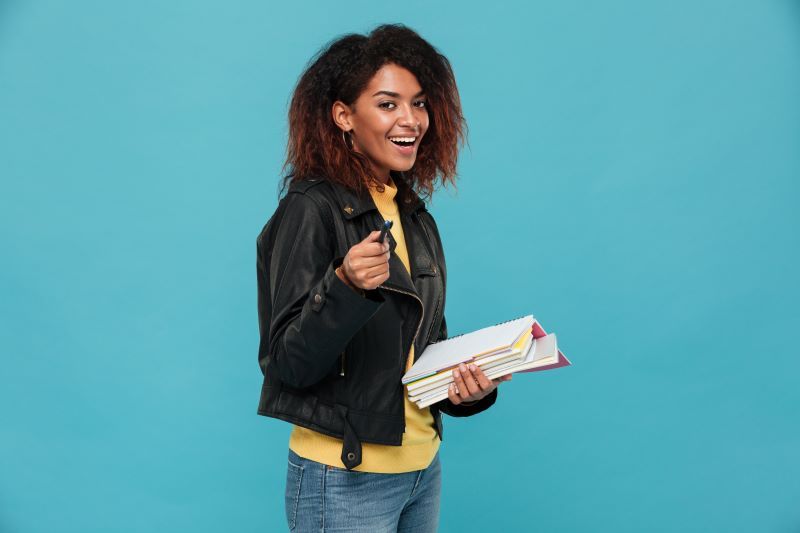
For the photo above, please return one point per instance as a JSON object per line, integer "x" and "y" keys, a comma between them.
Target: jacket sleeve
{"x": 314, "y": 314}
{"x": 448, "y": 407}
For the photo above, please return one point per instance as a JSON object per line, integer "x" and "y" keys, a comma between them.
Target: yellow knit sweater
{"x": 420, "y": 441}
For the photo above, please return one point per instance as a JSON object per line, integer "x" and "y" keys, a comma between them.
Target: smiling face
{"x": 387, "y": 121}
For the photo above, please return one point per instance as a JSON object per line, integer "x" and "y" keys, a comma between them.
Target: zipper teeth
{"x": 421, "y": 306}
{"x": 421, "y": 223}
{"x": 435, "y": 314}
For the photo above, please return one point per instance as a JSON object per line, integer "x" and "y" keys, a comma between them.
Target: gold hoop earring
{"x": 344, "y": 138}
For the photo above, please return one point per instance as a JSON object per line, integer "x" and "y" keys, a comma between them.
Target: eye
{"x": 387, "y": 105}
{"x": 421, "y": 104}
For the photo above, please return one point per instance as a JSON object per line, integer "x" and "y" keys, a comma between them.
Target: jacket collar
{"x": 354, "y": 204}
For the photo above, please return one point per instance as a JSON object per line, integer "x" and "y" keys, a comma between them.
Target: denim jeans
{"x": 322, "y": 498}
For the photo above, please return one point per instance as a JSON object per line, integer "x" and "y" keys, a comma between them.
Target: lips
{"x": 405, "y": 149}
{"x": 405, "y": 145}
{"x": 403, "y": 141}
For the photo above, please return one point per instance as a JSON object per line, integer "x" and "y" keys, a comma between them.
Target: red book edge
{"x": 537, "y": 331}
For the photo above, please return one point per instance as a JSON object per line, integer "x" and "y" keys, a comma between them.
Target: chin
{"x": 403, "y": 166}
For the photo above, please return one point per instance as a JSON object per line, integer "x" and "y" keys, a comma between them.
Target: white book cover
{"x": 469, "y": 346}
{"x": 543, "y": 353}
{"x": 440, "y": 391}
{"x": 504, "y": 357}
{"x": 445, "y": 377}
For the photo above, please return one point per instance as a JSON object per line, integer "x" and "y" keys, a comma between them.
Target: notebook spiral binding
{"x": 493, "y": 325}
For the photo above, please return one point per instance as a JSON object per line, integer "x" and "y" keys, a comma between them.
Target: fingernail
{"x": 472, "y": 368}
{"x": 462, "y": 367}
{"x": 455, "y": 372}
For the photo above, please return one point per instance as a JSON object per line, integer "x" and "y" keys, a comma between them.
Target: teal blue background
{"x": 631, "y": 179}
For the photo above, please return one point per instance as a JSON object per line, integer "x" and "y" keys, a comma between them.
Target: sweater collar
{"x": 354, "y": 204}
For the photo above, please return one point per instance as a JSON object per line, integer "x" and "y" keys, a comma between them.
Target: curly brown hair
{"x": 341, "y": 71}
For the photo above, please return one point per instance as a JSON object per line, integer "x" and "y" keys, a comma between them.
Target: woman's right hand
{"x": 366, "y": 264}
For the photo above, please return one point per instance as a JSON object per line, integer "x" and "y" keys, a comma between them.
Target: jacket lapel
{"x": 354, "y": 204}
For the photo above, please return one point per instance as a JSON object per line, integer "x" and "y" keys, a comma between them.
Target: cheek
{"x": 424, "y": 122}
{"x": 376, "y": 136}
{"x": 380, "y": 125}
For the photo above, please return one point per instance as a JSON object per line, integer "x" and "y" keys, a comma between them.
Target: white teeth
{"x": 403, "y": 139}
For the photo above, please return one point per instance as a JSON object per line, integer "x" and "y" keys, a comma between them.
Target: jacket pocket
{"x": 427, "y": 271}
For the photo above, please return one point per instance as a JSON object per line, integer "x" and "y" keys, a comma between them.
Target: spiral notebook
{"x": 543, "y": 354}
{"x": 519, "y": 345}
{"x": 500, "y": 342}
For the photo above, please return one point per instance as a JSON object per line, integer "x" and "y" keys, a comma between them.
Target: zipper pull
{"x": 341, "y": 371}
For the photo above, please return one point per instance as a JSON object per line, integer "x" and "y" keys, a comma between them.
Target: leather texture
{"x": 332, "y": 359}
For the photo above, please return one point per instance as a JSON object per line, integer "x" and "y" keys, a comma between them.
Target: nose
{"x": 408, "y": 120}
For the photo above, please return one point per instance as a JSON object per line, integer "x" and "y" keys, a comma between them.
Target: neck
{"x": 381, "y": 175}
{"x": 383, "y": 179}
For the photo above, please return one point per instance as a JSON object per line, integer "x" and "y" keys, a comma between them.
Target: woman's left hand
{"x": 471, "y": 384}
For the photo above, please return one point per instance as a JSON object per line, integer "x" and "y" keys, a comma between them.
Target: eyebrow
{"x": 396, "y": 95}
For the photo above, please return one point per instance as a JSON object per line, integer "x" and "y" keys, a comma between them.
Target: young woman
{"x": 374, "y": 122}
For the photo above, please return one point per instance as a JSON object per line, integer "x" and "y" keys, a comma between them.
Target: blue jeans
{"x": 322, "y": 498}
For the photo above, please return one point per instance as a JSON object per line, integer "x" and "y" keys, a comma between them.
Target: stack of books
{"x": 519, "y": 345}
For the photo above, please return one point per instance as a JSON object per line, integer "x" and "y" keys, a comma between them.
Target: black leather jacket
{"x": 332, "y": 359}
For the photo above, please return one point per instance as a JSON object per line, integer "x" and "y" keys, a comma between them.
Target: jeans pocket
{"x": 294, "y": 477}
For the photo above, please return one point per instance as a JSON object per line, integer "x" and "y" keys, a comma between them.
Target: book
{"x": 445, "y": 377}
{"x": 546, "y": 353}
{"x": 491, "y": 349}
{"x": 492, "y": 343}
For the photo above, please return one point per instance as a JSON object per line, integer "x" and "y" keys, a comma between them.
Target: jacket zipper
{"x": 341, "y": 371}
{"x": 421, "y": 319}
{"x": 435, "y": 314}
{"x": 421, "y": 224}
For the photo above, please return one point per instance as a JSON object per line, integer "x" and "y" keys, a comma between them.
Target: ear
{"x": 341, "y": 114}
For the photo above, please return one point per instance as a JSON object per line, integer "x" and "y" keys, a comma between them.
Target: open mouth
{"x": 403, "y": 141}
